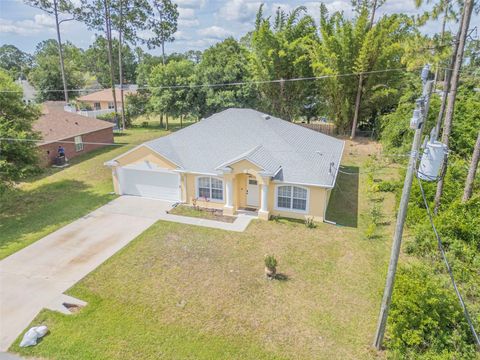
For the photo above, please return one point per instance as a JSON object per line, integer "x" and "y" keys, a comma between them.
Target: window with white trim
{"x": 210, "y": 188}
{"x": 291, "y": 197}
{"x": 78, "y": 143}
{"x": 111, "y": 105}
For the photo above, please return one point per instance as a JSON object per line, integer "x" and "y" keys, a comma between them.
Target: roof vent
{"x": 76, "y": 123}
{"x": 266, "y": 117}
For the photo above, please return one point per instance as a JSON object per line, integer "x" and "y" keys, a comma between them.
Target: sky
{"x": 201, "y": 22}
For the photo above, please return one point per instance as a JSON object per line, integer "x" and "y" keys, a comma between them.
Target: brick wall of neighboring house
{"x": 48, "y": 152}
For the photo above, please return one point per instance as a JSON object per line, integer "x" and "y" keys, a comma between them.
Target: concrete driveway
{"x": 36, "y": 277}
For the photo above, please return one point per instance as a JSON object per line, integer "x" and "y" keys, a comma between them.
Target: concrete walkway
{"x": 36, "y": 276}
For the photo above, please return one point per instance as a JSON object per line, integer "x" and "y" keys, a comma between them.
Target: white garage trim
{"x": 150, "y": 183}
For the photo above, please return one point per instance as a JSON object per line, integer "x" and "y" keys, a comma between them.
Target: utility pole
{"x": 418, "y": 120}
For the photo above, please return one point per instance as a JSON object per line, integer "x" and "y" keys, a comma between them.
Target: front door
{"x": 252, "y": 192}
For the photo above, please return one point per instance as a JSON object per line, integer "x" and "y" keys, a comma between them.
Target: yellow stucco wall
{"x": 316, "y": 203}
{"x": 318, "y": 197}
{"x": 142, "y": 154}
{"x": 191, "y": 193}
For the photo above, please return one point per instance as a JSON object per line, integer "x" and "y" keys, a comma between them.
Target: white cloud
{"x": 239, "y": 10}
{"x": 285, "y": 7}
{"x": 215, "y": 32}
{"x": 40, "y": 23}
{"x": 188, "y": 23}
{"x": 191, "y": 3}
{"x": 44, "y": 20}
{"x": 186, "y": 13}
{"x": 340, "y": 5}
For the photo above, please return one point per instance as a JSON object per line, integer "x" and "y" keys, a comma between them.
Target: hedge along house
{"x": 236, "y": 159}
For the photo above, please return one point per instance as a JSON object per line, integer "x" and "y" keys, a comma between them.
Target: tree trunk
{"x": 161, "y": 120}
{"x": 442, "y": 36}
{"x": 60, "y": 50}
{"x": 467, "y": 12}
{"x": 166, "y": 122}
{"x": 181, "y": 121}
{"x": 163, "y": 52}
{"x": 446, "y": 84}
{"x": 472, "y": 171}
{"x": 360, "y": 81}
{"x": 357, "y": 106}
{"x": 108, "y": 33}
{"x": 120, "y": 65}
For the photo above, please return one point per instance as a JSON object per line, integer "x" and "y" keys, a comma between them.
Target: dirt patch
{"x": 73, "y": 308}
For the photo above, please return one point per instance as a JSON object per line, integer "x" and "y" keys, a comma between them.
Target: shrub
{"x": 376, "y": 214}
{"x": 270, "y": 262}
{"x": 425, "y": 317}
{"x": 370, "y": 231}
{"x": 388, "y": 186}
{"x": 107, "y": 117}
{"x": 310, "y": 223}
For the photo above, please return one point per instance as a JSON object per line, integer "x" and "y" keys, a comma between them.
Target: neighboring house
{"x": 29, "y": 92}
{"x": 102, "y": 102}
{"x": 236, "y": 159}
{"x": 74, "y": 132}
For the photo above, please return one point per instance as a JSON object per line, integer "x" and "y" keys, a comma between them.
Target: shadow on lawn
{"x": 343, "y": 204}
{"x": 24, "y": 215}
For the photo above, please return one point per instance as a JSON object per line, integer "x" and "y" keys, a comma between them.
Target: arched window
{"x": 210, "y": 188}
{"x": 290, "y": 197}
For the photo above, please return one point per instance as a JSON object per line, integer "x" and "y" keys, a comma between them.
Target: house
{"x": 236, "y": 159}
{"x": 103, "y": 100}
{"x": 74, "y": 132}
{"x": 29, "y": 92}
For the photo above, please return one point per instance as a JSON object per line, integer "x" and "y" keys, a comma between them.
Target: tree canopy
{"x": 18, "y": 159}
{"x": 46, "y": 74}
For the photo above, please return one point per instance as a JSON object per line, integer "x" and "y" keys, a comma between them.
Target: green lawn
{"x": 58, "y": 197}
{"x": 186, "y": 292}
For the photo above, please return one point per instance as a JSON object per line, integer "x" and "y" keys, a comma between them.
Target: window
{"x": 111, "y": 105}
{"x": 210, "y": 188}
{"x": 78, "y": 143}
{"x": 292, "y": 197}
{"x": 97, "y": 106}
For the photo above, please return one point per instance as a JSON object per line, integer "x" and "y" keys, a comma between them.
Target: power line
{"x": 240, "y": 83}
{"x": 43, "y": 142}
{"x": 449, "y": 269}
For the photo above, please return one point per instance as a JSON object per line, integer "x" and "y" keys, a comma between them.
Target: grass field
{"x": 186, "y": 292}
{"x": 57, "y": 197}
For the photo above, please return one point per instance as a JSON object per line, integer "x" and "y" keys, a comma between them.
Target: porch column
{"x": 228, "y": 208}
{"x": 263, "y": 204}
{"x": 263, "y": 213}
{"x": 229, "y": 191}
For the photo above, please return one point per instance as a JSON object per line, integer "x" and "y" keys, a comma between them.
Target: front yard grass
{"x": 186, "y": 292}
{"x": 59, "y": 196}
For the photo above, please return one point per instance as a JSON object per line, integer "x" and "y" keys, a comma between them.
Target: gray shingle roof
{"x": 291, "y": 153}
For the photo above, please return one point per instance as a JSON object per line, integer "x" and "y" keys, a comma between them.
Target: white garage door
{"x": 155, "y": 184}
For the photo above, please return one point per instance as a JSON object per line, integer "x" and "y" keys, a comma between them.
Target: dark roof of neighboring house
{"x": 57, "y": 124}
{"x": 105, "y": 95}
{"x": 285, "y": 151}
